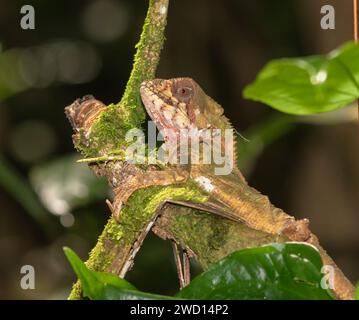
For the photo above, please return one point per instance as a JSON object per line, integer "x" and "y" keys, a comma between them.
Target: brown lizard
{"x": 178, "y": 106}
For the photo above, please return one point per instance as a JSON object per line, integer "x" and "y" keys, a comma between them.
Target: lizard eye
{"x": 183, "y": 93}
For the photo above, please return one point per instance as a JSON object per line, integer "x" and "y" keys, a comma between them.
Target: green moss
{"x": 114, "y": 230}
{"x": 187, "y": 224}
{"x": 107, "y": 133}
{"x": 76, "y": 292}
{"x": 217, "y": 235}
{"x": 146, "y": 60}
{"x": 139, "y": 210}
{"x": 143, "y": 204}
{"x": 99, "y": 257}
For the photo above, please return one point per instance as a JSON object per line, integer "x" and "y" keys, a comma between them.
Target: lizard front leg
{"x": 144, "y": 180}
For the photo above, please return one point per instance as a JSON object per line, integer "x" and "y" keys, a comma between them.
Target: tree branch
{"x": 100, "y": 130}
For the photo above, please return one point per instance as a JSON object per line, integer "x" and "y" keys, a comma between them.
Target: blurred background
{"x": 309, "y": 166}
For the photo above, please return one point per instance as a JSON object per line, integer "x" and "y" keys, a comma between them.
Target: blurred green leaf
{"x": 276, "y": 271}
{"x": 105, "y": 286}
{"x": 309, "y": 85}
{"x": 21, "y": 190}
{"x": 11, "y": 81}
{"x": 64, "y": 184}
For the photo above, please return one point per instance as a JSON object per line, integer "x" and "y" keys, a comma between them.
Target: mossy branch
{"x": 106, "y": 130}
{"x": 102, "y": 131}
{"x": 119, "y": 242}
{"x": 146, "y": 59}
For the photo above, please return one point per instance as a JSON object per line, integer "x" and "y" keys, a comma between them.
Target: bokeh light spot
{"x": 105, "y": 20}
{"x": 32, "y": 140}
{"x": 37, "y": 65}
{"x": 78, "y": 62}
{"x": 67, "y": 220}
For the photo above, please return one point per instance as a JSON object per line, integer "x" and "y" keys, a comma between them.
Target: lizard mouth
{"x": 163, "y": 108}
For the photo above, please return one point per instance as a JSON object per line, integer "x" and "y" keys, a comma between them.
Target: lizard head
{"x": 178, "y": 104}
{"x": 181, "y": 109}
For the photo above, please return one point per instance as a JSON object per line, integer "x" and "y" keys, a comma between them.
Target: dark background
{"x": 79, "y": 47}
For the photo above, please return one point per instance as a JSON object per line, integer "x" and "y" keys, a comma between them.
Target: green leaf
{"x": 309, "y": 85}
{"x": 11, "y": 79}
{"x": 357, "y": 292}
{"x": 18, "y": 186}
{"x": 95, "y": 284}
{"x": 105, "y": 286}
{"x": 277, "y": 271}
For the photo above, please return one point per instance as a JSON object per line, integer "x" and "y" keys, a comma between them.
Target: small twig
{"x": 183, "y": 266}
{"x": 178, "y": 265}
{"x": 110, "y": 206}
{"x": 136, "y": 247}
{"x": 355, "y": 20}
{"x": 355, "y": 31}
{"x": 186, "y": 268}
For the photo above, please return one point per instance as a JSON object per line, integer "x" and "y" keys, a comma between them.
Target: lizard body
{"x": 180, "y": 103}
{"x": 177, "y": 105}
